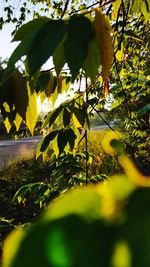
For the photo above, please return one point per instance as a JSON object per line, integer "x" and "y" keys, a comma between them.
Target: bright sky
{"x": 7, "y": 46}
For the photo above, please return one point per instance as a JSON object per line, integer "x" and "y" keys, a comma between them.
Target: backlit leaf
{"x": 17, "y": 121}
{"x": 11, "y": 246}
{"x": 46, "y": 140}
{"x": 31, "y": 113}
{"x": 59, "y": 57}
{"x": 104, "y": 39}
{"x": 42, "y": 81}
{"x": 21, "y": 50}
{"x": 44, "y": 44}
{"x": 76, "y": 45}
{"x": 30, "y": 27}
{"x": 92, "y": 61}
{"x": 116, "y": 6}
{"x": 50, "y": 119}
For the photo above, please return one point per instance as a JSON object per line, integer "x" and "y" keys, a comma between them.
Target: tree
{"x": 88, "y": 52}
{"x": 81, "y": 45}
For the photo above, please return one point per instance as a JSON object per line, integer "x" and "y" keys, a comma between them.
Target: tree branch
{"x": 65, "y": 8}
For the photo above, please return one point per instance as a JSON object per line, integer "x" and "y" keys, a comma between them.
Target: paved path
{"x": 11, "y": 150}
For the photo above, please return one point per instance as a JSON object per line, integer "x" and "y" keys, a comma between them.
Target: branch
{"x": 93, "y": 5}
{"x": 65, "y": 8}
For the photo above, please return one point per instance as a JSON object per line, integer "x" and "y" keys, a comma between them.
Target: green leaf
{"x": 144, "y": 110}
{"x": 59, "y": 57}
{"x": 61, "y": 140}
{"x": 66, "y": 117}
{"x": 71, "y": 136}
{"x": 76, "y": 45}
{"x": 92, "y": 61}
{"x": 44, "y": 44}
{"x": 46, "y": 140}
{"x": 30, "y": 27}
{"x": 43, "y": 81}
{"x": 80, "y": 115}
{"x": 21, "y": 50}
{"x": 50, "y": 119}
{"x": 20, "y": 94}
{"x": 14, "y": 93}
{"x": 31, "y": 113}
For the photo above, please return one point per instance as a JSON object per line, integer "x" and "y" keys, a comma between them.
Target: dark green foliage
{"x": 79, "y": 33}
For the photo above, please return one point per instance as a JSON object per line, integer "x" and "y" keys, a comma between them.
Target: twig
{"x": 86, "y": 137}
{"x": 90, "y": 6}
{"x": 65, "y": 8}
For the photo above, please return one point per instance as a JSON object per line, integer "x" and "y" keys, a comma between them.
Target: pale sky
{"x": 6, "y": 46}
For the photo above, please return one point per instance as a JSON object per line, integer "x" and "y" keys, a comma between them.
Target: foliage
{"x": 85, "y": 45}
{"x": 107, "y": 222}
{"x": 83, "y": 49}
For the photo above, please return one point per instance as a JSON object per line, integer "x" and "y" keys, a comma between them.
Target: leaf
{"x": 144, "y": 110}
{"x": 7, "y": 124}
{"x": 76, "y": 45}
{"x": 20, "y": 93}
{"x": 52, "y": 116}
{"x": 104, "y": 39}
{"x": 59, "y": 56}
{"x": 31, "y": 113}
{"x": 17, "y": 121}
{"x": 116, "y": 6}
{"x": 51, "y": 87}
{"x": 14, "y": 93}
{"x": 44, "y": 44}
{"x": 42, "y": 81}
{"x": 66, "y": 117}
{"x": 61, "y": 140}
{"x": 138, "y": 7}
{"x": 30, "y": 27}
{"x": 21, "y": 50}
{"x": 59, "y": 84}
{"x": 46, "y": 140}
{"x": 71, "y": 136}
{"x": 11, "y": 245}
{"x": 92, "y": 61}
{"x": 80, "y": 115}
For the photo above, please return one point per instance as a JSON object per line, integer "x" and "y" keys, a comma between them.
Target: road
{"x": 11, "y": 150}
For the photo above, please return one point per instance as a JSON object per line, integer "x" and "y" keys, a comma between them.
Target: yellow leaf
{"x": 104, "y": 39}
{"x": 55, "y": 147}
{"x": 7, "y": 124}
{"x": 132, "y": 172}
{"x": 11, "y": 245}
{"x": 122, "y": 255}
{"x": 17, "y": 121}
{"x": 32, "y": 112}
{"x": 76, "y": 122}
{"x": 116, "y": 6}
